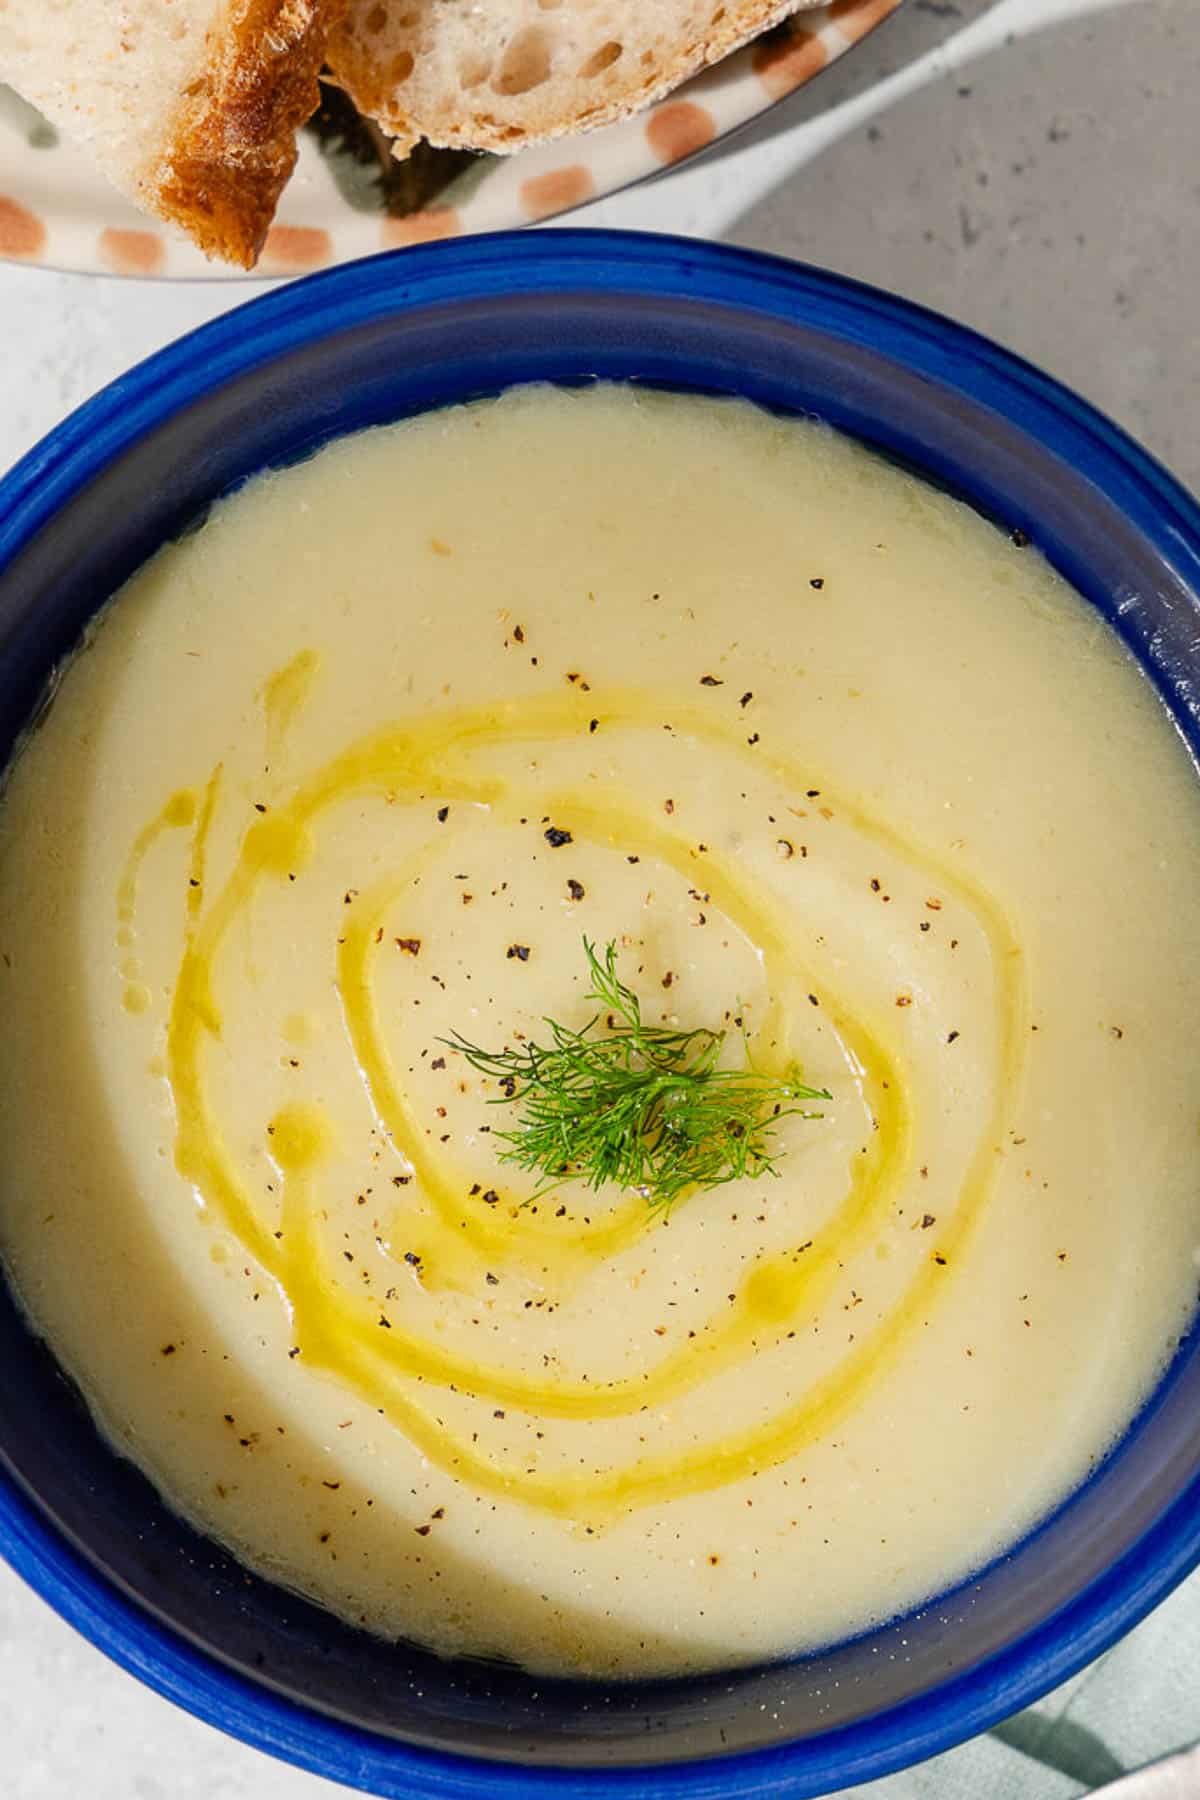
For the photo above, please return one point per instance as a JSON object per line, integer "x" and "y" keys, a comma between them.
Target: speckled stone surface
{"x": 1047, "y": 193}
{"x": 1031, "y": 166}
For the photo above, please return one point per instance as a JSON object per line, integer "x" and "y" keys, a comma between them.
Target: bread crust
{"x": 232, "y": 142}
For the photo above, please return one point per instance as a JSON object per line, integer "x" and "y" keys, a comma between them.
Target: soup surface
{"x": 837, "y": 767}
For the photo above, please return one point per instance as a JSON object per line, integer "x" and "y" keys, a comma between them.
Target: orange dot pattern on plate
{"x": 555, "y": 191}
{"x": 784, "y": 63}
{"x": 420, "y": 228}
{"x": 21, "y": 232}
{"x": 131, "y": 252}
{"x": 292, "y": 247}
{"x": 679, "y": 129}
{"x": 854, "y": 18}
{"x": 777, "y": 64}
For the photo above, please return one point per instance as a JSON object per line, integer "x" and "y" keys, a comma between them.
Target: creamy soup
{"x": 838, "y": 768}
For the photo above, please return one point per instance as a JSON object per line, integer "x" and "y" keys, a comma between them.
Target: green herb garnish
{"x": 640, "y": 1105}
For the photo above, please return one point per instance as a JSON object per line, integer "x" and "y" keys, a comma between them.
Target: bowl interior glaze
{"x": 376, "y": 342}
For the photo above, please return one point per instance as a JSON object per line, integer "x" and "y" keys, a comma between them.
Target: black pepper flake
{"x": 633, "y": 859}
{"x": 491, "y": 1198}
{"x": 384, "y": 1324}
{"x": 927, "y": 1221}
{"x": 423, "y": 1530}
{"x": 939, "y": 1258}
{"x": 576, "y": 889}
{"x": 593, "y": 724}
{"x": 412, "y": 1257}
{"x": 439, "y": 1062}
{"x": 951, "y": 1037}
{"x": 746, "y": 698}
{"x": 711, "y": 681}
{"x": 519, "y": 633}
{"x": 168, "y": 1349}
{"x": 816, "y": 581}
{"x": 520, "y": 951}
{"x": 443, "y": 813}
{"x": 259, "y": 807}
{"x": 410, "y": 946}
{"x": 492, "y": 1280}
{"x": 498, "y": 1413}
{"x": 1019, "y": 538}
{"x": 556, "y": 837}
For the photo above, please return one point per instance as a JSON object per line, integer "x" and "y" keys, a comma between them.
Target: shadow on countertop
{"x": 1046, "y": 193}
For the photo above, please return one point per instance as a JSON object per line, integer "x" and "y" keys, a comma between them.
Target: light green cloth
{"x": 1139, "y": 1702}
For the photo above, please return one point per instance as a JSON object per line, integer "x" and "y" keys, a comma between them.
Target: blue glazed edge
{"x": 924, "y": 1727}
{"x": 648, "y": 268}
{"x": 619, "y": 263}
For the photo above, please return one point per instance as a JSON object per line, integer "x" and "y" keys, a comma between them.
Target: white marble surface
{"x": 1028, "y": 165}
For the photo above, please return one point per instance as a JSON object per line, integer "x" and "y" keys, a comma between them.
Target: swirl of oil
{"x": 334, "y": 1337}
{"x": 766, "y": 1300}
{"x": 466, "y": 1244}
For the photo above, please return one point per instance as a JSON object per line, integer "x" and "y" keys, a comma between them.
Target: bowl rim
{"x": 632, "y": 266}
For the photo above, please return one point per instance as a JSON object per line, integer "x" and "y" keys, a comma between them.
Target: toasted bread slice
{"x": 520, "y": 71}
{"x": 190, "y": 107}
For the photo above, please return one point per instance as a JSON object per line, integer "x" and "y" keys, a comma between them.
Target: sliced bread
{"x": 190, "y": 107}
{"x": 514, "y": 72}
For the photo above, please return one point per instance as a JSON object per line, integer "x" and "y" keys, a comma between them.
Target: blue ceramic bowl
{"x": 376, "y": 341}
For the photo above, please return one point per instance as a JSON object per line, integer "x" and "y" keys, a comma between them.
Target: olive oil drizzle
{"x": 767, "y": 1298}
{"x": 339, "y": 1333}
{"x": 283, "y": 696}
{"x": 177, "y": 812}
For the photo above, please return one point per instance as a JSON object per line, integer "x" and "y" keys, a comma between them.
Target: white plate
{"x": 348, "y": 198}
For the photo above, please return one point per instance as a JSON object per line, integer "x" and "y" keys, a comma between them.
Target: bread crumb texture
{"x": 526, "y": 71}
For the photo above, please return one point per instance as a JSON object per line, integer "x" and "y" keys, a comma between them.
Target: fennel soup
{"x": 599, "y": 997}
